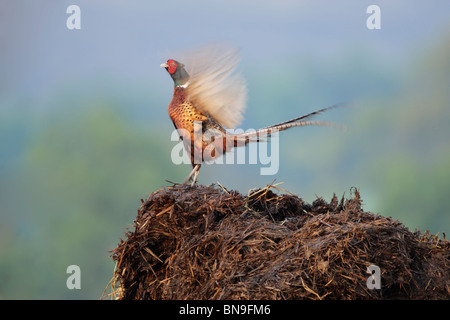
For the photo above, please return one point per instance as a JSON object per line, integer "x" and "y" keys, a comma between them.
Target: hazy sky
{"x": 128, "y": 39}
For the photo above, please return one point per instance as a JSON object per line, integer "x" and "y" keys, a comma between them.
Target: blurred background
{"x": 85, "y": 134}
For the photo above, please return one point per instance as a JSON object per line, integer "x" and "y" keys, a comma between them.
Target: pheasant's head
{"x": 177, "y": 72}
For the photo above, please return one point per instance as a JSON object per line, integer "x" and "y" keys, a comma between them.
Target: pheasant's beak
{"x": 164, "y": 65}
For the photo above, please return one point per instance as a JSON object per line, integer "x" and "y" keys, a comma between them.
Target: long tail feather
{"x": 261, "y": 134}
{"x": 264, "y": 133}
{"x": 307, "y": 115}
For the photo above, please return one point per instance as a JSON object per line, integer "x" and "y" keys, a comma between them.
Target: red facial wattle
{"x": 172, "y": 66}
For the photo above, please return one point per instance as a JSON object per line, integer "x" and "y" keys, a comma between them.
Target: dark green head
{"x": 177, "y": 72}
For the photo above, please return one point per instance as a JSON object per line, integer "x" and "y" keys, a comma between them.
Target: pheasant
{"x": 208, "y": 100}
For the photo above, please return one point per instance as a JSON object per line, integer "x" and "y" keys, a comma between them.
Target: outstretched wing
{"x": 214, "y": 86}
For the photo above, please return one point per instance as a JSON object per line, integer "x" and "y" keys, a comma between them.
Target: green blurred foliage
{"x": 78, "y": 185}
{"x": 397, "y": 147}
{"x": 412, "y": 164}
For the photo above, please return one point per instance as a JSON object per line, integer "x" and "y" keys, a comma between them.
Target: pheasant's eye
{"x": 172, "y": 66}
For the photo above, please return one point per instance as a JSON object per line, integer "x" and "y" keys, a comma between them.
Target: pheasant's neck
{"x": 180, "y": 77}
{"x": 184, "y": 85}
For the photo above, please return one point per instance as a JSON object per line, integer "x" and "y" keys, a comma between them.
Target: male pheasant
{"x": 211, "y": 98}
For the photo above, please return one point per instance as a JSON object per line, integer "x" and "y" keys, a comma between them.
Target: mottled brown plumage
{"x": 198, "y": 131}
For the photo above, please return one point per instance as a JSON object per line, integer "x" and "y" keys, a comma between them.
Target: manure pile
{"x": 210, "y": 243}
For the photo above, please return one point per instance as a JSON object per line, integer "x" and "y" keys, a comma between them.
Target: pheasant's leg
{"x": 196, "y": 167}
{"x": 195, "y": 176}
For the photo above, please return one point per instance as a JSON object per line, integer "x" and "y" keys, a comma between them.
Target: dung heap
{"x": 210, "y": 243}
